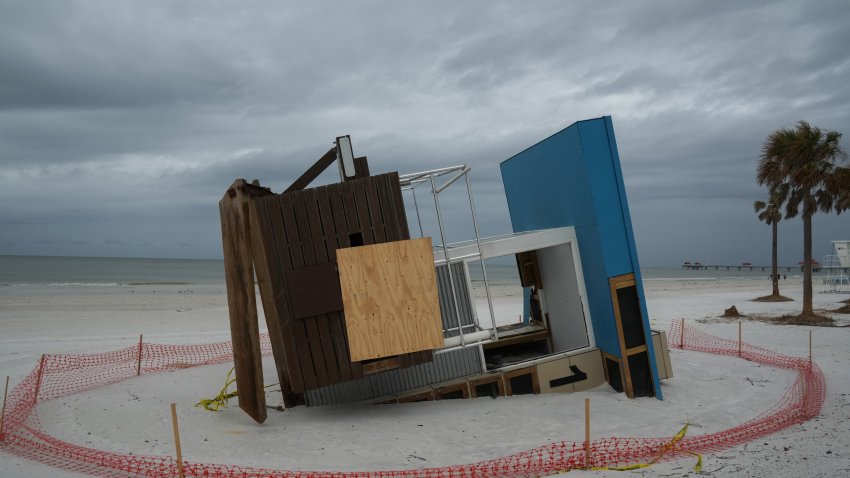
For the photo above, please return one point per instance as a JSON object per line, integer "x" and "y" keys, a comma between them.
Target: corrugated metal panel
{"x": 444, "y": 367}
{"x": 447, "y": 310}
{"x": 344, "y": 392}
{"x": 447, "y": 366}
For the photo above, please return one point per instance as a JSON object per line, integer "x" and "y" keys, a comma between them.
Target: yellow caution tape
{"x": 669, "y": 446}
{"x": 698, "y": 466}
{"x": 220, "y": 401}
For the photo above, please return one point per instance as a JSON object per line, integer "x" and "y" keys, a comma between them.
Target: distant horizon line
{"x": 114, "y": 257}
{"x": 675, "y": 266}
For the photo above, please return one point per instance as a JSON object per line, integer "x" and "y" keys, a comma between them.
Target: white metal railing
{"x": 836, "y": 274}
{"x": 409, "y": 182}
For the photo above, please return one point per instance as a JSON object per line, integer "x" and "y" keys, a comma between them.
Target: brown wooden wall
{"x": 297, "y": 234}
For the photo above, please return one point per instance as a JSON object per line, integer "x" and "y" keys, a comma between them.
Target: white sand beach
{"x": 709, "y": 392}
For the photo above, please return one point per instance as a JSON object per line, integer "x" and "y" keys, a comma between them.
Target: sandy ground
{"x": 711, "y": 393}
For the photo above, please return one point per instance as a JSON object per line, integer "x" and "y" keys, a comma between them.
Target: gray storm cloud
{"x": 122, "y": 123}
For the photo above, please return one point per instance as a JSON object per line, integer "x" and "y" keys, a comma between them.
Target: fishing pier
{"x": 745, "y": 266}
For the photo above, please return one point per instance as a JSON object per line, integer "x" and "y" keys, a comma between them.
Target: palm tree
{"x": 803, "y": 160}
{"x": 841, "y": 183}
{"x": 770, "y": 212}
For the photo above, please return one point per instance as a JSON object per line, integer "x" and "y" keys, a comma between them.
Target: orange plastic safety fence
{"x": 61, "y": 375}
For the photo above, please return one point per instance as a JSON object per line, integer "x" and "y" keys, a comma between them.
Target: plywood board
{"x": 389, "y": 294}
{"x": 665, "y": 354}
{"x": 662, "y": 355}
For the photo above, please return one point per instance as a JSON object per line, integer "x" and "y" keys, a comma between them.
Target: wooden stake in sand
{"x": 3, "y": 411}
{"x": 740, "y": 346}
{"x": 810, "y": 347}
{"x": 682, "y": 335}
{"x": 38, "y": 379}
{"x": 177, "y": 440}
{"x": 139, "y": 363}
{"x": 586, "y": 433}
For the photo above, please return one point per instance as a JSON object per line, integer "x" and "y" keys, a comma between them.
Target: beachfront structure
{"x": 573, "y": 179}
{"x": 841, "y": 250}
{"x": 356, "y": 310}
{"x": 837, "y": 266}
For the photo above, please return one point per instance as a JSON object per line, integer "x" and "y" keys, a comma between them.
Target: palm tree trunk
{"x": 807, "y": 265}
{"x": 774, "y": 260}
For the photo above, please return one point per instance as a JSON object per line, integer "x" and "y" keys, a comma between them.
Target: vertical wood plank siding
{"x": 300, "y": 230}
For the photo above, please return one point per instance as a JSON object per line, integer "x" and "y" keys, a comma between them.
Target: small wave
{"x": 84, "y": 284}
{"x": 160, "y": 283}
{"x": 680, "y": 279}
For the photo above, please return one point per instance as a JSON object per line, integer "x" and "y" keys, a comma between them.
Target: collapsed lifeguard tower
{"x": 358, "y": 311}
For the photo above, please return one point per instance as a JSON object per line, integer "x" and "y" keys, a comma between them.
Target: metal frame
{"x": 479, "y": 249}
{"x": 504, "y": 245}
{"x": 836, "y": 274}
{"x": 410, "y": 182}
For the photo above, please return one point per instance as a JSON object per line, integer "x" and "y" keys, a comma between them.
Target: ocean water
{"x": 77, "y": 272}
{"x": 80, "y": 272}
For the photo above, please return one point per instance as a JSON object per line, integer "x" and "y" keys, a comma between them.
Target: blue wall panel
{"x": 573, "y": 178}
{"x": 549, "y": 195}
{"x": 606, "y": 196}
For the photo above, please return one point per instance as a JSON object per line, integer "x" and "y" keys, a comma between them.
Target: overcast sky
{"x": 123, "y": 123}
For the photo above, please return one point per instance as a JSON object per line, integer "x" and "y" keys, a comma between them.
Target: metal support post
{"x": 448, "y": 261}
{"x": 481, "y": 255}
{"x": 416, "y": 206}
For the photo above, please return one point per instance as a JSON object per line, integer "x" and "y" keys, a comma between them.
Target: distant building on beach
{"x": 842, "y": 252}
{"x": 837, "y": 267}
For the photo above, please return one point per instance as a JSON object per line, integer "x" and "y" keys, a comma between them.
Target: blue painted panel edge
{"x": 627, "y": 220}
{"x": 550, "y": 137}
{"x": 626, "y": 260}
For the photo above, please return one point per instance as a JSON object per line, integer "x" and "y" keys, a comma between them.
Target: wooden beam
{"x": 242, "y": 299}
{"x": 315, "y": 170}
{"x": 615, "y": 283}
